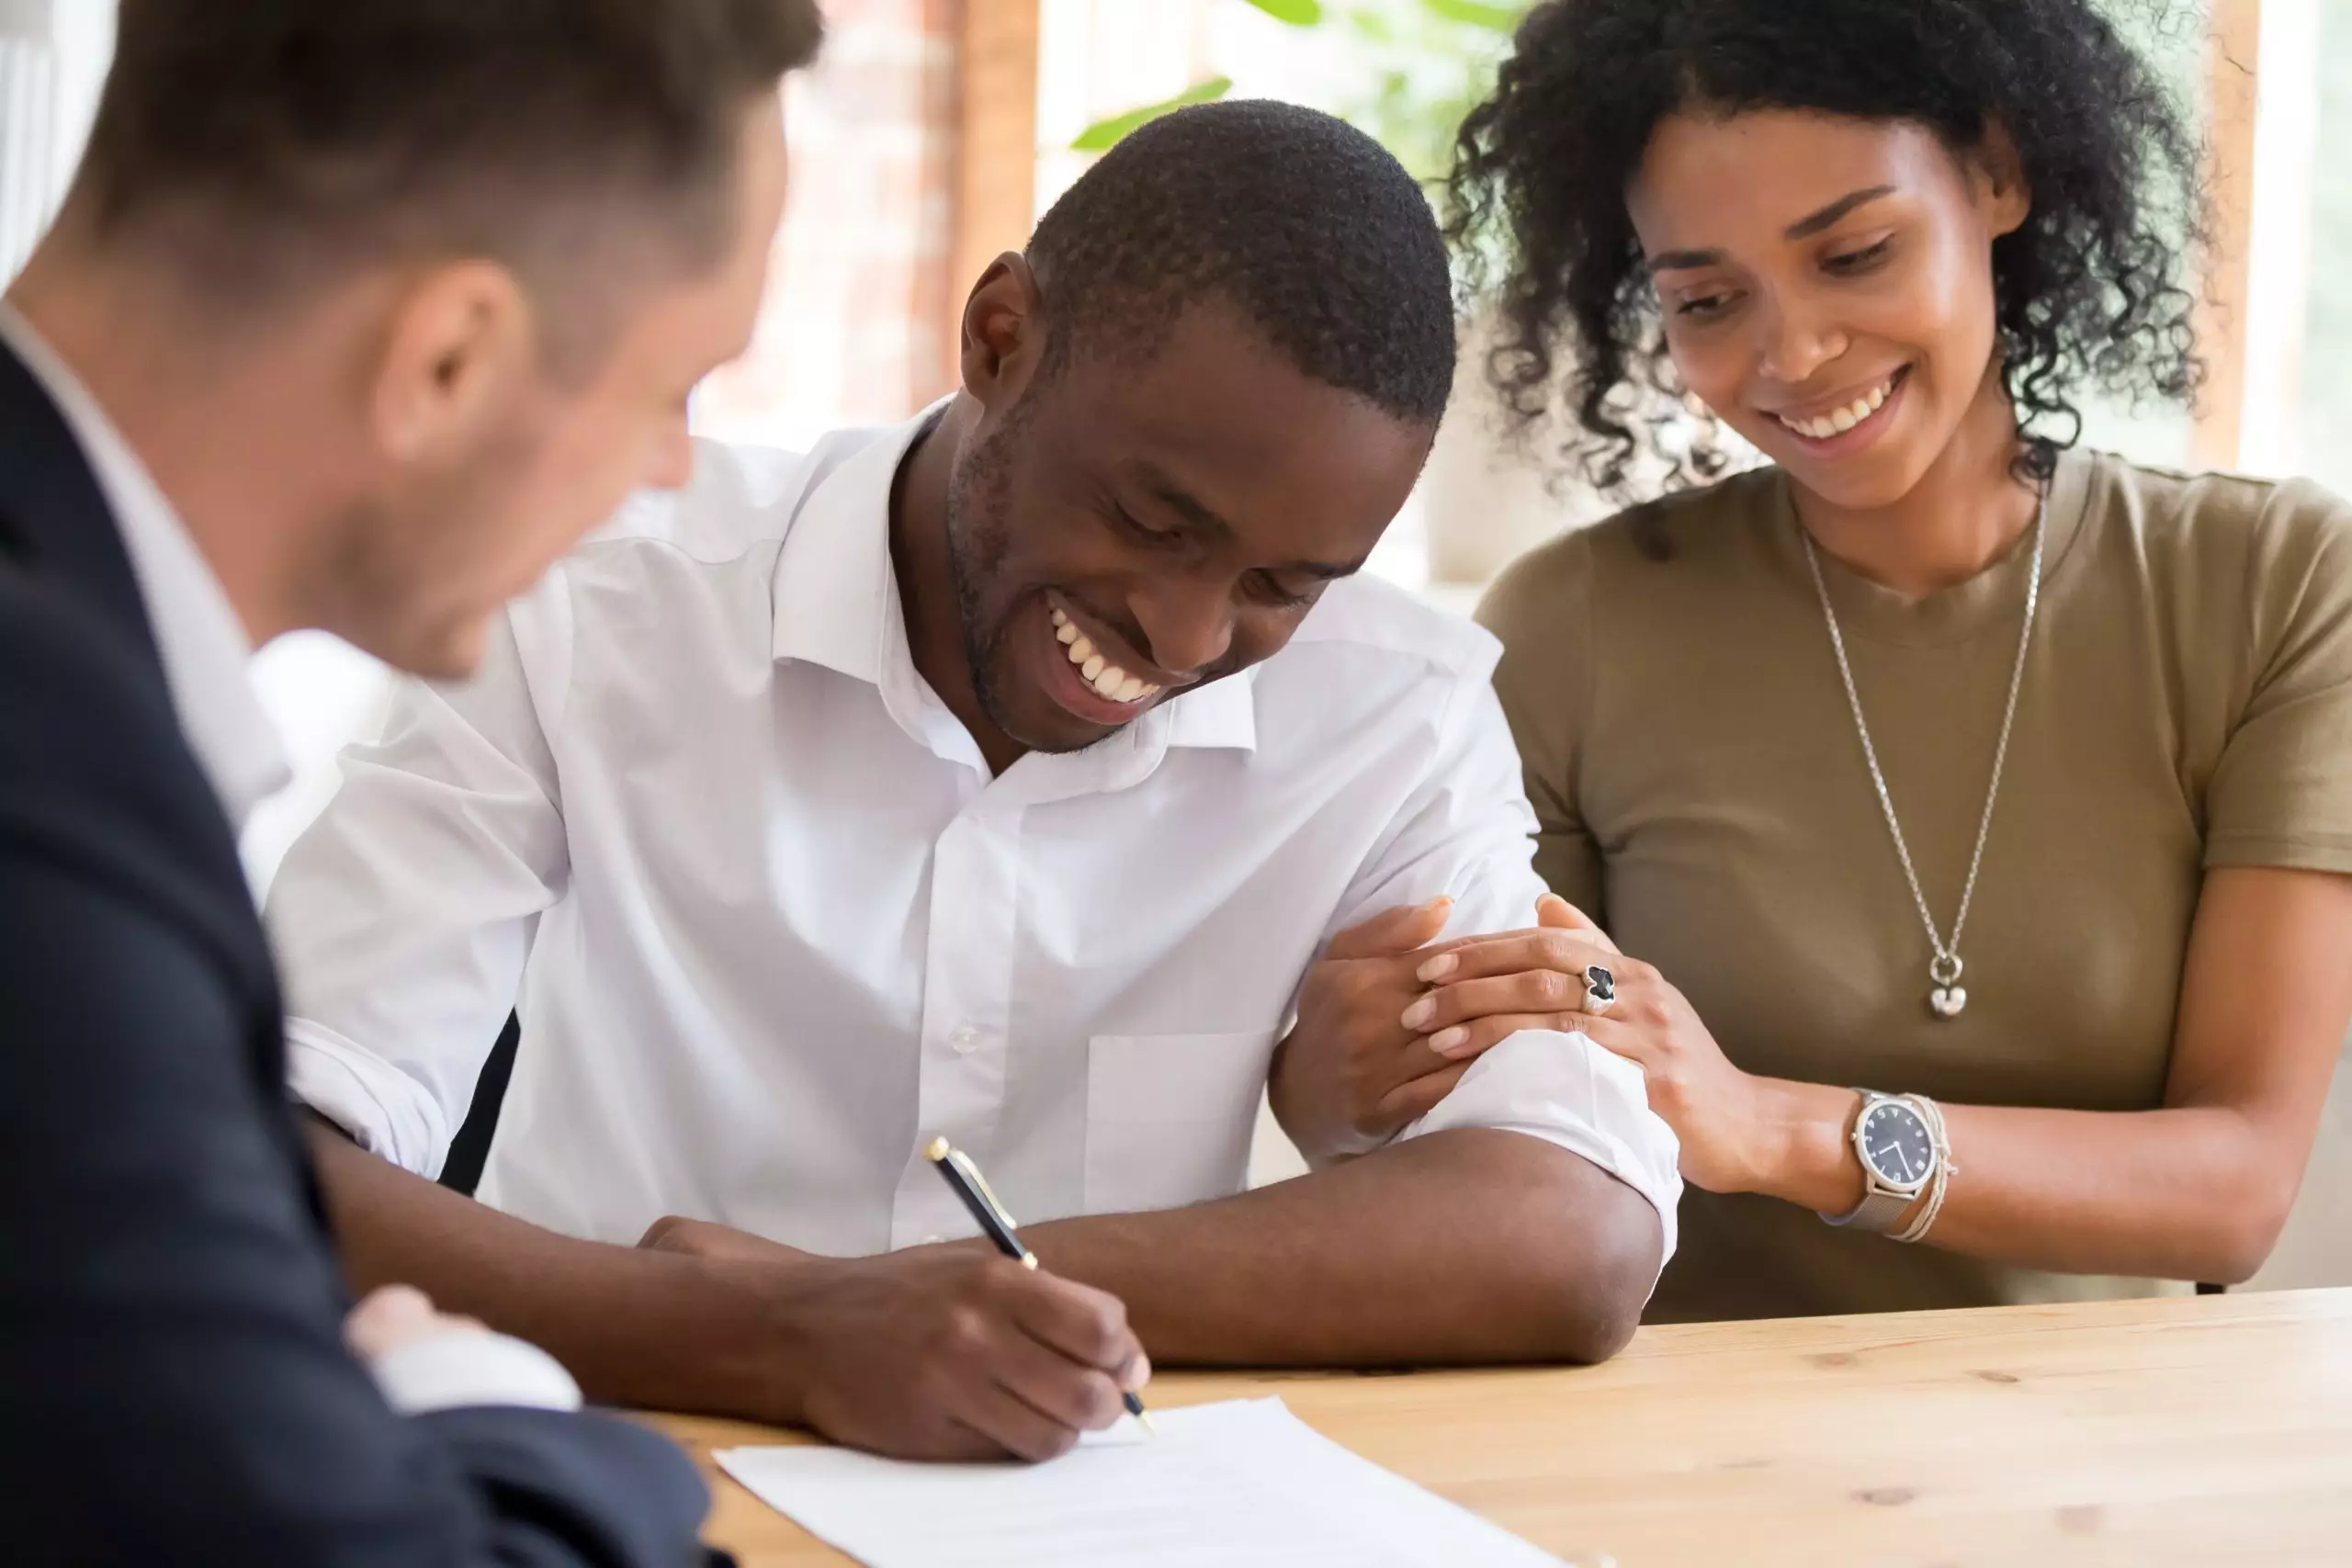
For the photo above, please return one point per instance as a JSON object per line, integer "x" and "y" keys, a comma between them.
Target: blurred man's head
{"x": 1206, "y": 390}
{"x": 490, "y": 245}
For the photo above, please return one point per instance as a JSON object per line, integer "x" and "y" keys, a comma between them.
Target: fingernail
{"x": 1437, "y": 968}
{"x": 1139, "y": 1375}
{"x": 1419, "y": 1013}
{"x": 1439, "y": 903}
{"x": 1446, "y": 1042}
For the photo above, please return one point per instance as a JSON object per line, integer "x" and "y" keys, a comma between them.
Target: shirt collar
{"x": 837, "y": 599}
{"x": 204, "y": 647}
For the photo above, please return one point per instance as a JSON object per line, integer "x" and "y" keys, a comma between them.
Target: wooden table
{"x": 2183, "y": 1430}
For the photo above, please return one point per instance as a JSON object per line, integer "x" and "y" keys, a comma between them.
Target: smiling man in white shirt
{"x": 1002, "y": 775}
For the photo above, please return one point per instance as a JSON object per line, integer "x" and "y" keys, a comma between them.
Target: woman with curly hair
{"x": 1973, "y": 811}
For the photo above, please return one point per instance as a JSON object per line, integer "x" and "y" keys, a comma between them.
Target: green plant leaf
{"x": 1104, "y": 133}
{"x": 1371, "y": 24}
{"x": 1297, "y": 13}
{"x": 1499, "y": 18}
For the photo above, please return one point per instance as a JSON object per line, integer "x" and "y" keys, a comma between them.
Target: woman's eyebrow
{"x": 1802, "y": 229}
{"x": 1805, "y": 228}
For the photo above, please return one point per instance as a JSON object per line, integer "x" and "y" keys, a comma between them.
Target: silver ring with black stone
{"x": 1600, "y": 989}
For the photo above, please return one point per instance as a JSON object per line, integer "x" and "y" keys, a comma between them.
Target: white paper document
{"x": 1241, "y": 1485}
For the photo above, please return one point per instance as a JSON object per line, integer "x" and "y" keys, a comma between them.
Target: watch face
{"x": 1895, "y": 1144}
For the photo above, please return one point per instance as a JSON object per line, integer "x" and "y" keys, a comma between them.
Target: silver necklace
{"x": 1946, "y": 996}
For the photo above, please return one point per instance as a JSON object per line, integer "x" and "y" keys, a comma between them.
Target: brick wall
{"x": 856, "y": 325}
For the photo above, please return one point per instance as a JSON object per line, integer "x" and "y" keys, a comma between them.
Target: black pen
{"x": 965, "y": 1176}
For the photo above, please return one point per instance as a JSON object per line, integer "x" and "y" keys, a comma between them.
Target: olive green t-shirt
{"x": 1689, "y": 752}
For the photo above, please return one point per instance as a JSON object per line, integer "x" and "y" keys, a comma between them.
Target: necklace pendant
{"x": 1946, "y": 995}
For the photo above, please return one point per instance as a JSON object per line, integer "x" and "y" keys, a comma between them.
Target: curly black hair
{"x": 2088, "y": 293}
{"x": 1306, "y": 225}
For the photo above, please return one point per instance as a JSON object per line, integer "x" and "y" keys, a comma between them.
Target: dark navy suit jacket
{"x": 173, "y": 1387}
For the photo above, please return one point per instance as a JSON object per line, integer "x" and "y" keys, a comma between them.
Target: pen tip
{"x": 1143, "y": 1418}
{"x": 936, "y": 1149}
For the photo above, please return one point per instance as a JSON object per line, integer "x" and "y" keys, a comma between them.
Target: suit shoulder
{"x": 70, "y": 691}
{"x": 94, "y": 772}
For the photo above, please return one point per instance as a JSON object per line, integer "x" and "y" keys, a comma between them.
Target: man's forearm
{"x": 1462, "y": 1246}
{"x": 634, "y": 1326}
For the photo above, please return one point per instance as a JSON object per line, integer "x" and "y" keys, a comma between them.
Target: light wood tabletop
{"x": 2181, "y": 1431}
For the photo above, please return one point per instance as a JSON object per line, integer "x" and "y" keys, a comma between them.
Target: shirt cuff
{"x": 1568, "y": 1091}
{"x": 469, "y": 1367}
{"x": 381, "y": 1107}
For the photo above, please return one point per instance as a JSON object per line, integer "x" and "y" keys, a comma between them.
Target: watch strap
{"x": 1876, "y": 1212}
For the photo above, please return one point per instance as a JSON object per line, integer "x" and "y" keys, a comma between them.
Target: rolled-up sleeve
{"x": 1568, "y": 1091}
{"x": 1468, "y": 833}
{"x": 404, "y": 915}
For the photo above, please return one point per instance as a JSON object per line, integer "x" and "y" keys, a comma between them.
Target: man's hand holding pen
{"x": 941, "y": 1352}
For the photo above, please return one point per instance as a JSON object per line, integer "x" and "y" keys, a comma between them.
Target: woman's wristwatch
{"x": 1900, "y": 1140}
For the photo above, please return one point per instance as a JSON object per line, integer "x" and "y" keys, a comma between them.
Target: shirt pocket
{"x": 1169, "y": 1117}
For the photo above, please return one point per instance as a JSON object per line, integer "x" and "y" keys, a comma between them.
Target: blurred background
{"x": 935, "y": 131}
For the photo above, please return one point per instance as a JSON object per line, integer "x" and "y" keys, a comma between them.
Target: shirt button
{"x": 965, "y": 1040}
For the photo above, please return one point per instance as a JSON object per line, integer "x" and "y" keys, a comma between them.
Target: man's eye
{"x": 1268, "y": 590}
{"x": 1129, "y": 524}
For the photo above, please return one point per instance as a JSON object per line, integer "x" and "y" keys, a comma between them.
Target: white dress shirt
{"x": 205, "y": 651}
{"x": 772, "y": 924}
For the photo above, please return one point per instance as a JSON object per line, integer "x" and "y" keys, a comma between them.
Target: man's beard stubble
{"x": 979, "y": 508}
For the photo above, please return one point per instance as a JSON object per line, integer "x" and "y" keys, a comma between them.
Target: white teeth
{"x": 1837, "y": 421}
{"x": 1107, "y": 679}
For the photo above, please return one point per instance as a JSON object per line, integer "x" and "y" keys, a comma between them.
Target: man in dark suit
{"x": 358, "y": 314}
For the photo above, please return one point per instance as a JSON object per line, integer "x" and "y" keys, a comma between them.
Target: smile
{"x": 1844, "y": 421}
{"x": 1110, "y": 681}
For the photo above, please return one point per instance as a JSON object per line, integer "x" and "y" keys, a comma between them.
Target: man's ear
{"x": 1004, "y": 332}
{"x": 2001, "y": 189}
{"x": 458, "y": 339}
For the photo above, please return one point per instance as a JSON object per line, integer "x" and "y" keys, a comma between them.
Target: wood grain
{"x": 2182, "y": 1430}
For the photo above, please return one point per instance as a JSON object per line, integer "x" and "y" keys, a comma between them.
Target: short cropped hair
{"x": 1303, "y": 224}
{"x": 274, "y": 135}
